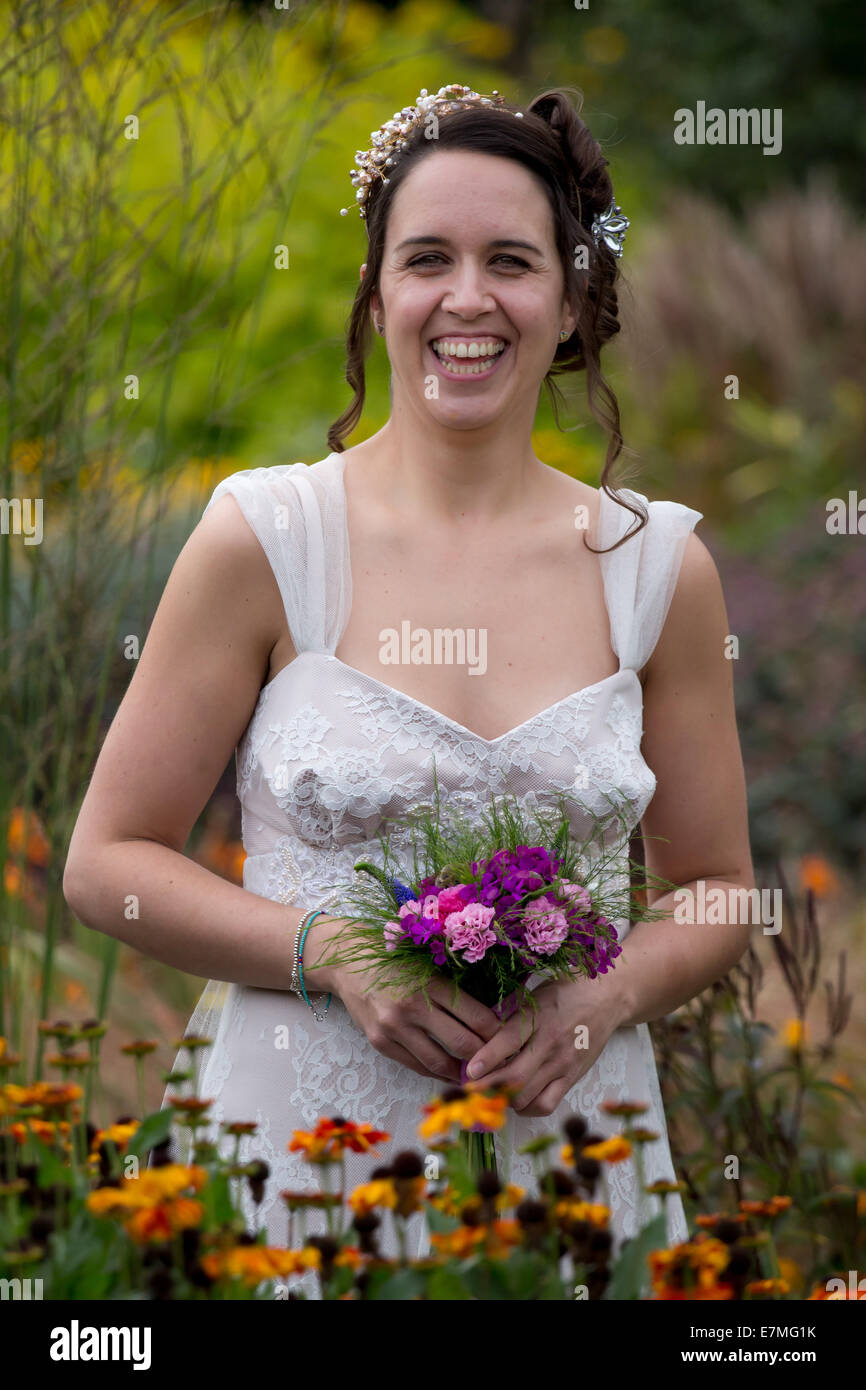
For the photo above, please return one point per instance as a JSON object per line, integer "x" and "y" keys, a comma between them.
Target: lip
{"x": 468, "y": 376}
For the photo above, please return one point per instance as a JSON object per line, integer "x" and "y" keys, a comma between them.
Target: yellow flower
{"x": 474, "y": 1108}
{"x": 612, "y": 1150}
{"x": 149, "y": 1189}
{"x": 794, "y": 1033}
{"x": 575, "y": 1209}
{"x": 379, "y": 1193}
{"x": 253, "y": 1263}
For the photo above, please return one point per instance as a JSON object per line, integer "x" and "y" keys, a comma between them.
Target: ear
{"x": 363, "y": 269}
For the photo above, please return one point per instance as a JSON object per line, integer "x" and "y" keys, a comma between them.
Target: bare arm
{"x": 188, "y": 703}
{"x": 699, "y": 807}
{"x": 189, "y": 700}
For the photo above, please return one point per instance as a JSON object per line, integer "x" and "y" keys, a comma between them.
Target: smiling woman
{"x": 605, "y": 681}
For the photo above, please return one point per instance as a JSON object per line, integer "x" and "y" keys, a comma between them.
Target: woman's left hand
{"x": 574, "y": 1020}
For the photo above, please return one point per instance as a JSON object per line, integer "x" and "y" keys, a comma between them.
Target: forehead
{"x": 471, "y": 190}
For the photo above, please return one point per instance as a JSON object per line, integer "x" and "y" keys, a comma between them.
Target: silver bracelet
{"x": 295, "y": 983}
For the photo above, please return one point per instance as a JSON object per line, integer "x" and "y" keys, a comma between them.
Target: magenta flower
{"x": 453, "y": 899}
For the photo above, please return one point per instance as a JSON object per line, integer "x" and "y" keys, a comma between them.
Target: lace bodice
{"x": 331, "y": 754}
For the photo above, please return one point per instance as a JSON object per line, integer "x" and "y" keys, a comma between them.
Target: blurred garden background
{"x": 153, "y": 156}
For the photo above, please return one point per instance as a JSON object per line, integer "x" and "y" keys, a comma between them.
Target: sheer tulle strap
{"x": 641, "y": 576}
{"x": 297, "y": 512}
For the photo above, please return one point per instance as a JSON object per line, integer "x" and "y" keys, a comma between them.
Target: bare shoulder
{"x": 564, "y": 491}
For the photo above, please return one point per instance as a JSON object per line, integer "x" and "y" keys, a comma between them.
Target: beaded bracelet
{"x": 309, "y": 919}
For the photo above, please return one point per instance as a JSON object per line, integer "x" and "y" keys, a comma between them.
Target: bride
{"x": 492, "y": 254}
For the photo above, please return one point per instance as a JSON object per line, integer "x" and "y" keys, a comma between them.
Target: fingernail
{"x": 474, "y": 1069}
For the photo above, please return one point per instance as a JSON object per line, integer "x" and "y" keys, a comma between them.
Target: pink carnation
{"x": 469, "y": 931}
{"x": 578, "y": 895}
{"x": 393, "y": 935}
{"x": 545, "y": 926}
{"x": 451, "y": 900}
{"x": 410, "y": 906}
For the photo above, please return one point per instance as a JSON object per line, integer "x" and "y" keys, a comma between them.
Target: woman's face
{"x": 470, "y": 263}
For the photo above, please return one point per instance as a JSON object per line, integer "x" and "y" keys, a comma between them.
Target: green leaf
{"x": 445, "y": 1285}
{"x": 405, "y": 1284}
{"x": 441, "y": 1222}
{"x": 152, "y": 1130}
{"x": 631, "y": 1276}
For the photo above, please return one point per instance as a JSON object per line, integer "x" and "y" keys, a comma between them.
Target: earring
{"x": 380, "y": 328}
{"x": 563, "y": 335}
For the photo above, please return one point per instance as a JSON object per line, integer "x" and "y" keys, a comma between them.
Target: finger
{"x": 400, "y": 1054}
{"x": 548, "y": 1098}
{"x": 463, "y": 1006}
{"x": 453, "y": 1035}
{"x": 511, "y": 1039}
{"x": 429, "y": 1054}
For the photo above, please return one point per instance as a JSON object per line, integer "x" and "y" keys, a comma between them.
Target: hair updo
{"x": 555, "y": 145}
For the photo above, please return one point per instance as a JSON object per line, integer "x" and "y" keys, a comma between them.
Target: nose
{"x": 466, "y": 294}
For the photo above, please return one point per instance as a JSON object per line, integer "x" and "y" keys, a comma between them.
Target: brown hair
{"x": 557, "y": 147}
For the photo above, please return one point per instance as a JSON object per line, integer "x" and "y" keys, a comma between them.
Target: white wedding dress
{"x": 329, "y": 753}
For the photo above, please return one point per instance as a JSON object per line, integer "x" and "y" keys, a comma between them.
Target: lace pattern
{"x": 330, "y": 758}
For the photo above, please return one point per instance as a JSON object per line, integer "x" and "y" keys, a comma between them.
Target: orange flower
{"x": 151, "y": 1188}
{"x": 476, "y": 1107}
{"x": 769, "y": 1286}
{"x": 690, "y": 1270}
{"x": 349, "y": 1255}
{"x": 140, "y": 1047}
{"x": 624, "y": 1107}
{"x": 497, "y": 1240}
{"x": 119, "y": 1135}
{"x": 26, "y": 838}
{"x": 47, "y": 1095}
{"x": 331, "y": 1139}
{"x": 816, "y": 873}
{"x": 773, "y": 1207}
{"x": 379, "y": 1193}
{"x": 253, "y": 1263}
{"x": 575, "y": 1209}
{"x": 46, "y": 1130}
{"x": 612, "y": 1150}
{"x": 712, "y": 1219}
{"x": 794, "y": 1033}
{"x": 160, "y": 1222}
{"x": 189, "y": 1105}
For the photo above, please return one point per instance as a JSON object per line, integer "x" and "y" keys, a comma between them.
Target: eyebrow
{"x": 443, "y": 241}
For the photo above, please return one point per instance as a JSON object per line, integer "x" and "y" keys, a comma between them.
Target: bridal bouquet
{"x": 488, "y": 905}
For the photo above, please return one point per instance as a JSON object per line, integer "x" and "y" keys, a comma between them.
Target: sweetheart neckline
{"x": 445, "y": 718}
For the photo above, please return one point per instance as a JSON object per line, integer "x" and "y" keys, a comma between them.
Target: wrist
{"x": 319, "y": 978}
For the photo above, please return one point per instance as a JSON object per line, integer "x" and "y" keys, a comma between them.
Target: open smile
{"x": 468, "y": 360}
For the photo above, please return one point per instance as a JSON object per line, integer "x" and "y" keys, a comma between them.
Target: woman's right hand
{"x": 430, "y": 1039}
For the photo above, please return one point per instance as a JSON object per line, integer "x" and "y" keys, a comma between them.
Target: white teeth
{"x": 446, "y": 350}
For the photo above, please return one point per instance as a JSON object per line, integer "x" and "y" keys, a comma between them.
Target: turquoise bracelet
{"x": 318, "y": 1017}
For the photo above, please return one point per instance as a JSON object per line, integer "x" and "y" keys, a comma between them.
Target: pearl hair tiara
{"x": 393, "y": 136}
